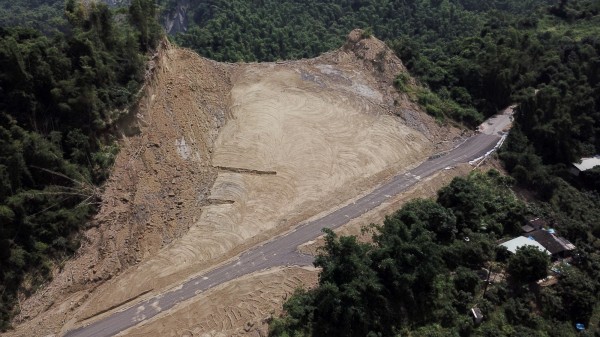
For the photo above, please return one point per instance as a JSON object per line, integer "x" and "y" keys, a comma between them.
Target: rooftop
{"x": 588, "y": 163}
{"x": 527, "y": 229}
{"x": 538, "y": 223}
{"x": 521, "y": 241}
{"x": 550, "y": 241}
{"x": 476, "y": 312}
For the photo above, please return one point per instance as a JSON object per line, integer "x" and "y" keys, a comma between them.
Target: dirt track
{"x": 327, "y": 127}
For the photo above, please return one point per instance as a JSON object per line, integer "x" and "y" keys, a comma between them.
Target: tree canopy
{"x": 63, "y": 85}
{"x": 528, "y": 265}
{"x": 416, "y": 280}
{"x": 67, "y": 70}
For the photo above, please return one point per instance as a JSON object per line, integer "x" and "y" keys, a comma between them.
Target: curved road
{"x": 281, "y": 250}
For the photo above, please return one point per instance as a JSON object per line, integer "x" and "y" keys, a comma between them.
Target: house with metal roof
{"x": 521, "y": 241}
{"x": 546, "y": 240}
{"x": 558, "y": 246}
{"x": 585, "y": 164}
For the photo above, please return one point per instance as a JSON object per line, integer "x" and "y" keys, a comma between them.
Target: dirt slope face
{"x": 228, "y": 156}
{"x": 241, "y": 307}
{"x": 159, "y": 182}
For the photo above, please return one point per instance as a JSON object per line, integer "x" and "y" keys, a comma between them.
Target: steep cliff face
{"x": 173, "y": 17}
{"x": 175, "y": 20}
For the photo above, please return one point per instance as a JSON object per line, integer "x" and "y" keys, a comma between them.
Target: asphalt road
{"x": 282, "y": 250}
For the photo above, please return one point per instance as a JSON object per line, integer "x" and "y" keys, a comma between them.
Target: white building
{"x": 521, "y": 241}
{"x": 586, "y": 164}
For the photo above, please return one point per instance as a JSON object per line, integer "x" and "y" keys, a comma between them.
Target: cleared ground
{"x": 324, "y": 144}
{"x": 276, "y": 144}
{"x": 240, "y": 307}
{"x": 244, "y": 306}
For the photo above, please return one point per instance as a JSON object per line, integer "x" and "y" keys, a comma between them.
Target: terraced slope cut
{"x": 284, "y": 142}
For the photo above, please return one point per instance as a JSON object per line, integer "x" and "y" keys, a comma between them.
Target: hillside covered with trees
{"x": 477, "y": 56}
{"x": 428, "y": 266}
{"x": 64, "y": 80}
{"x": 426, "y": 35}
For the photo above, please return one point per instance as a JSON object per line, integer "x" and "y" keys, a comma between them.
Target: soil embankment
{"x": 227, "y": 156}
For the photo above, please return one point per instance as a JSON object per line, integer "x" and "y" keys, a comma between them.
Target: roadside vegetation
{"x": 429, "y": 265}
{"x": 68, "y": 71}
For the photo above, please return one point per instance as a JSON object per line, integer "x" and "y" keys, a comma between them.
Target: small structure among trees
{"x": 558, "y": 247}
{"x": 545, "y": 239}
{"x": 585, "y": 164}
{"x": 534, "y": 224}
{"x": 477, "y": 315}
{"x": 519, "y": 242}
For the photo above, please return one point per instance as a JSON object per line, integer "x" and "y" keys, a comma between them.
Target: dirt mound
{"x": 229, "y": 155}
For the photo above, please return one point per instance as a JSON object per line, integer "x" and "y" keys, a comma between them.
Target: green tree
{"x": 61, "y": 93}
{"x": 350, "y": 299}
{"x": 578, "y": 295}
{"x": 528, "y": 265}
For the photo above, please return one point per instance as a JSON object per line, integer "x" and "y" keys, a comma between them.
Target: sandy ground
{"x": 324, "y": 143}
{"x": 227, "y": 156}
{"x": 319, "y": 145}
{"x": 240, "y": 307}
{"x": 244, "y": 306}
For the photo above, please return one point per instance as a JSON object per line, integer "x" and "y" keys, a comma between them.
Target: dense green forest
{"x": 268, "y": 30}
{"x": 426, "y": 34}
{"x": 64, "y": 80}
{"x": 46, "y": 16}
{"x": 423, "y": 273}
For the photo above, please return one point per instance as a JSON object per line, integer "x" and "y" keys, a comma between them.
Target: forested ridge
{"x": 425, "y": 34}
{"x": 46, "y": 16}
{"x": 476, "y": 56}
{"x": 68, "y": 71}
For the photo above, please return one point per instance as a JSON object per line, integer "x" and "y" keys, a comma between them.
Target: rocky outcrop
{"x": 175, "y": 20}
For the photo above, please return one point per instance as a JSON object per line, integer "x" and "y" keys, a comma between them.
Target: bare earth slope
{"x": 243, "y": 307}
{"x": 227, "y": 156}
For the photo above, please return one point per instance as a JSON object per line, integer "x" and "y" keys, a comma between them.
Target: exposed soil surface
{"x": 226, "y": 156}
{"x": 243, "y": 307}
{"x": 240, "y": 307}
